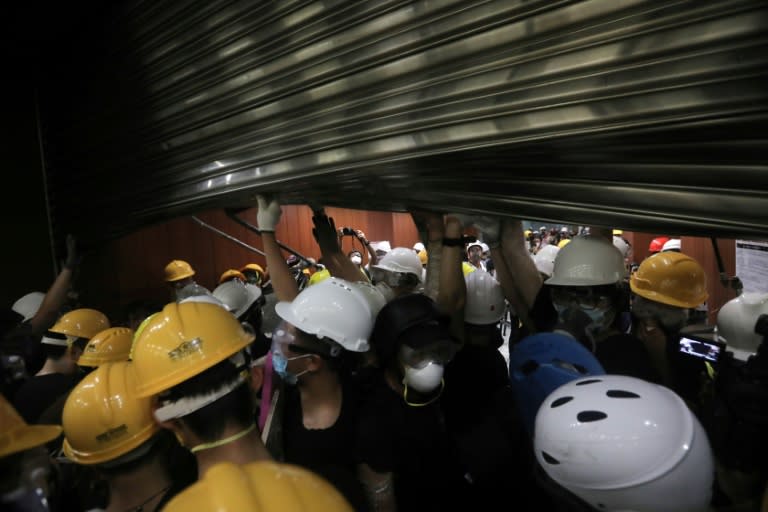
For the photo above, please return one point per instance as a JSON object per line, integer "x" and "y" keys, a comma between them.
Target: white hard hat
{"x": 381, "y": 246}
{"x": 237, "y": 296}
{"x": 621, "y": 245}
{"x": 401, "y": 259}
{"x": 376, "y": 299}
{"x": 334, "y": 309}
{"x": 28, "y": 305}
{"x": 485, "y": 299}
{"x": 418, "y": 247}
{"x": 204, "y": 297}
{"x": 621, "y": 443}
{"x": 484, "y": 247}
{"x": 588, "y": 261}
{"x": 476, "y": 243}
{"x": 545, "y": 259}
{"x": 672, "y": 244}
{"x": 736, "y": 323}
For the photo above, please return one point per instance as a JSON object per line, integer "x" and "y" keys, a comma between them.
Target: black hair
{"x": 147, "y": 452}
{"x": 209, "y": 422}
{"x": 339, "y": 359}
{"x": 54, "y": 352}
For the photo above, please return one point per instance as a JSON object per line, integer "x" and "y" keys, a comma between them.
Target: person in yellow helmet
{"x": 191, "y": 357}
{"x": 254, "y": 273}
{"x": 25, "y": 468}
{"x": 665, "y": 288}
{"x": 63, "y": 344}
{"x": 259, "y": 487}
{"x": 109, "y": 429}
{"x": 229, "y": 275}
{"x": 110, "y": 345}
{"x": 179, "y": 275}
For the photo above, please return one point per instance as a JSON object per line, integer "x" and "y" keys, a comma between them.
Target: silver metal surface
{"x": 647, "y": 115}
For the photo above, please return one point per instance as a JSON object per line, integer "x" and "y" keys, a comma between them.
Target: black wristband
{"x": 453, "y": 242}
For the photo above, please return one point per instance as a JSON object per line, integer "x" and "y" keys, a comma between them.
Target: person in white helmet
{"x": 734, "y": 406}
{"x": 316, "y": 350}
{"x": 588, "y": 290}
{"x": 623, "y": 444}
{"x": 477, "y": 401}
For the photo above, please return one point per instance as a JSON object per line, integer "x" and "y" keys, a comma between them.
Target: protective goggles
{"x": 379, "y": 275}
{"x": 583, "y": 297}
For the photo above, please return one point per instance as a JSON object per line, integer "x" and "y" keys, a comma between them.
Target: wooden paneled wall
{"x": 131, "y": 268}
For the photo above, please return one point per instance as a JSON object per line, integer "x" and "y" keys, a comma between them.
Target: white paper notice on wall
{"x": 752, "y": 265}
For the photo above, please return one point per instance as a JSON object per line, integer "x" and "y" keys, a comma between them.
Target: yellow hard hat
{"x": 562, "y": 243}
{"x": 527, "y": 233}
{"x": 618, "y": 232}
{"x": 110, "y": 345}
{"x": 183, "y": 340}
{"x": 103, "y": 419}
{"x": 423, "y": 256}
{"x": 671, "y": 278}
{"x": 231, "y": 274}
{"x": 254, "y": 267}
{"x": 16, "y": 436}
{"x": 259, "y": 486}
{"x": 177, "y": 270}
{"x": 81, "y": 323}
{"x": 320, "y": 275}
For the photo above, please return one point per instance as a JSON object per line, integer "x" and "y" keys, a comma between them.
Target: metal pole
{"x": 256, "y": 230}
{"x": 229, "y": 237}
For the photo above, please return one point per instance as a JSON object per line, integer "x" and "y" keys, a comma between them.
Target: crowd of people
{"x": 335, "y": 385}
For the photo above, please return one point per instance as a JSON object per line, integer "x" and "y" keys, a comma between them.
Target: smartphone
{"x": 707, "y": 349}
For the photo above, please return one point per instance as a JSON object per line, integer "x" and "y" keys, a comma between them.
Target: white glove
{"x": 269, "y": 213}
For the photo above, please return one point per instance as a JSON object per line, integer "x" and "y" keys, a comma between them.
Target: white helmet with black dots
{"x": 624, "y": 444}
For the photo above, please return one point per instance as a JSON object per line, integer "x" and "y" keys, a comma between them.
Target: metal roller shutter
{"x": 637, "y": 114}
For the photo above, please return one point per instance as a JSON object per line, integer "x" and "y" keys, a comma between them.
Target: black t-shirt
{"x": 472, "y": 378}
{"x": 414, "y": 445}
{"x": 624, "y": 354}
{"x": 40, "y": 392}
{"x": 329, "y": 452}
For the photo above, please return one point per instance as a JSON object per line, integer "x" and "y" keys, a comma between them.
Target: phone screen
{"x": 708, "y": 350}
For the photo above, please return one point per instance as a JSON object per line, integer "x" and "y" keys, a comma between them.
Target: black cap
{"x": 412, "y": 320}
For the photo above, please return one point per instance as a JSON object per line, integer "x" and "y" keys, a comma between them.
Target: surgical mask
{"x": 280, "y": 365}
{"x": 357, "y": 260}
{"x": 386, "y": 291}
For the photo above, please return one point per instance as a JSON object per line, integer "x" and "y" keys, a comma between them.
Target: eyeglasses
{"x": 583, "y": 297}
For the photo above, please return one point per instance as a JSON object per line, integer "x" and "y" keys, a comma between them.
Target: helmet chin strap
{"x": 223, "y": 442}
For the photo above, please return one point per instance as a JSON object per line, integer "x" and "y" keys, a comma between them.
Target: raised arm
{"x": 521, "y": 272}
{"x": 334, "y": 259}
{"x": 57, "y": 294}
{"x": 452, "y": 292}
{"x": 268, "y": 217}
{"x": 373, "y": 258}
